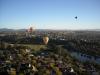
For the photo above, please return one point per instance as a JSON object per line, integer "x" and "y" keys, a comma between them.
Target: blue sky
{"x": 50, "y": 14}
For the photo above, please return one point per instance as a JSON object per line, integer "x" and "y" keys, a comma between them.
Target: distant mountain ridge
{"x": 9, "y": 30}
{"x": 6, "y": 29}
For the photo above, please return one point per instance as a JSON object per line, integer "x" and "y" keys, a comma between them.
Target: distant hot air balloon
{"x": 30, "y": 30}
{"x": 76, "y": 17}
{"x": 45, "y": 40}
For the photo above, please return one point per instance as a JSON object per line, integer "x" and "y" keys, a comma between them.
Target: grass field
{"x": 35, "y": 47}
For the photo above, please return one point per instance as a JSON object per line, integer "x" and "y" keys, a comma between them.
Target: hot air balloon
{"x": 30, "y": 30}
{"x": 45, "y": 40}
{"x": 76, "y": 17}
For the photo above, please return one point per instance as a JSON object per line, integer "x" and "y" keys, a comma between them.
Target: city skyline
{"x": 50, "y": 14}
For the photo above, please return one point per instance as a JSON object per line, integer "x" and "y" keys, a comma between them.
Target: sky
{"x": 50, "y": 14}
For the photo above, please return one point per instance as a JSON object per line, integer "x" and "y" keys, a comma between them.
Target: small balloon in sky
{"x": 75, "y": 17}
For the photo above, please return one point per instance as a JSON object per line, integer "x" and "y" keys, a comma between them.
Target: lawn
{"x": 35, "y": 47}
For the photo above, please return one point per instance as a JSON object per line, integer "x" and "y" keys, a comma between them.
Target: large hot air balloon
{"x": 45, "y": 40}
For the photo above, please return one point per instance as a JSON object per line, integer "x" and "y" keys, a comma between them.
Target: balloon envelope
{"x": 45, "y": 40}
{"x": 31, "y": 29}
{"x": 76, "y": 17}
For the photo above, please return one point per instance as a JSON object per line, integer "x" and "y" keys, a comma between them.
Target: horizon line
{"x": 52, "y": 29}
